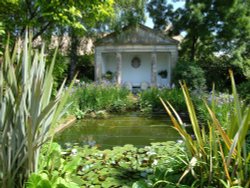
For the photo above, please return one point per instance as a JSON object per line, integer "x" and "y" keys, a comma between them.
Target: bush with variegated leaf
{"x": 27, "y": 112}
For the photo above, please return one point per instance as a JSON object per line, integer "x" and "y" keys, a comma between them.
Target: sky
{"x": 176, "y": 5}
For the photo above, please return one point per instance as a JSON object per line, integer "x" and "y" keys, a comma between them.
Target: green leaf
{"x": 33, "y": 181}
{"x": 77, "y": 180}
{"x": 140, "y": 184}
{"x": 44, "y": 184}
{"x": 27, "y": 111}
{"x": 71, "y": 166}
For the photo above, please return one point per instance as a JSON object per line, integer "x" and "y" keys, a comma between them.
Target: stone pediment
{"x": 139, "y": 34}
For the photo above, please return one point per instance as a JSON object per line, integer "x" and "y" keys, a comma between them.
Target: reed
{"x": 150, "y": 98}
{"x": 27, "y": 111}
{"x": 112, "y": 98}
{"x": 217, "y": 156}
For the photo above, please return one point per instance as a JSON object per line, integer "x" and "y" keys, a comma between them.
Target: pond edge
{"x": 65, "y": 125}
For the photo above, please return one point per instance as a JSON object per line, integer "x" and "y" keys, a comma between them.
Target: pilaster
{"x": 153, "y": 69}
{"x": 172, "y": 63}
{"x": 119, "y": 68}
{"x": 98, "y": 66}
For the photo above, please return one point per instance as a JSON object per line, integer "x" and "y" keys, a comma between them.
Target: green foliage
{"x": 244, "y": 91}
{"x": 19, "y": 14}
{"x": 85, "y": 67}
{"x": 218, "y": 24}
{"x": 60, "y": 69}
{"x": 149, "y": 99}
{"x": 218, "y": 157}
{"x": 130, "y": 12}
{"x": 217, "y": 67}
{"x": 98, "y": 97}
{"x": 160, "y": 11}
{"x": 108, "y": 76}
{"x": 223, "y": 106}
{"x": 191, "y": 73}
{"x": 27, "y": 112}
{"x": 55, "y": 170}
{"x": 93, "y": 15}
{"x": 85, "y": 167}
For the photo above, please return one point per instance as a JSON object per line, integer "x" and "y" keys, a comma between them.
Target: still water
{"x": 119, "y": 130}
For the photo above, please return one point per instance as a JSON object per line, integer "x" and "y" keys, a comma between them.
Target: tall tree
{"x": 108, "y": 16}
{"x": 214, "y": 30}
{"x": 161, "y": 12}
{"x": 49, "y": 17}
{"x": 93, "y": 14}
{"x": 128, "y": 12}
{"x": 39, "y": 15}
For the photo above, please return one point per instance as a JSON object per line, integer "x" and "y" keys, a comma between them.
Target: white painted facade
{"x": 154, "y": 52}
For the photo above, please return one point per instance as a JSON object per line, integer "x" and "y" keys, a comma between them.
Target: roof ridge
{"x": 118, "y": 36}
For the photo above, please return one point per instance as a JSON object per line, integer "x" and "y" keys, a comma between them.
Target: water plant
{"x": 96, "y": 97}
{"x": 27, "y": 111}
{"x": 149, "y": 99}
{"x": 55, "y": 169}
{"x": 217, "y": 156}
{"x": 90, "y": 167}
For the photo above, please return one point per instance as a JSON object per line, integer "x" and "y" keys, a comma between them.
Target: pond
{"x": 119, "y": 130}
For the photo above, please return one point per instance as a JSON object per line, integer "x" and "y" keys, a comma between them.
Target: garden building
{"x": 138, "y": 56}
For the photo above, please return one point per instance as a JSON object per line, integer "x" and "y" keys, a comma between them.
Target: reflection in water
{"x": 119, "y": 130}
{"x": 89, "y": 140}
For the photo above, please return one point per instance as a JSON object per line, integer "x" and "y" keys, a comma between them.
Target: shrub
{"x": 217, "y": 67}
{"x": 56, "y": 170}
{"x": 149, "y": 99}
{"x": 60, "y": 70}
{"x": 95, "y": 97}
{"x": 219, "y": 157}
{"x": 191, "y": 73}
{"x": 222, "y": 107}
{"x": 85, "y": 67}
{"x": 27, "y": 113}
{"x": 90, "y": 167}
{"x": 244, "y": 91}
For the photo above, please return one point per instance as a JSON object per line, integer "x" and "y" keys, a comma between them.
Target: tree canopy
{"x": 129, "y": 12}
{"x": 41, "y": 16}
{"x": 58, "y": 17}
{"x": 214, "y": 31}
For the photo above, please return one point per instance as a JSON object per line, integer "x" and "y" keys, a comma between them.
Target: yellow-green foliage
{"x": 94, "y": 97}
{"x": 149, "y": 99}
{"x": 217, "y": 157}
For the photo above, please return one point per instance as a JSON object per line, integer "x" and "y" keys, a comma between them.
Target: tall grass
{"x": 27, "y": 112}
{"x": 150, "y": 99}
{"x": 94, "y": 97}
{"x": 217, "y": 157}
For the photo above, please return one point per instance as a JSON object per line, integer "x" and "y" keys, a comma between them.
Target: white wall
{"x": 109, "y": 62}
{"x": 136, "y": 75}
{"x": 163, "y": 60}
{"x": 140, "y": 74}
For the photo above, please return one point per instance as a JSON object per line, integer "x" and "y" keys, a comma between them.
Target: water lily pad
{"x": 140, "y": 184}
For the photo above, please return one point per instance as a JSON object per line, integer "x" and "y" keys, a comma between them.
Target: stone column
{"x": 153, "y": 70}
{"x": 98, "y": 65}
{"x": 118, "y": 68}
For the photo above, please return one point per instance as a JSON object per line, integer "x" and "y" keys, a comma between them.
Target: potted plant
{"x": 163, "y": 73}
{"x": 109, "y": 75}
